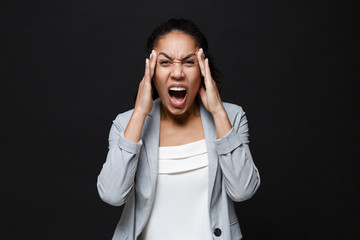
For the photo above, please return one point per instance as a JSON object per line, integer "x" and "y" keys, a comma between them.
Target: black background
{"x": 69, "y": 67}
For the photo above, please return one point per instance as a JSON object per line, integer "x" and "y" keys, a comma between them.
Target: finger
{"x": 201, "y": 53}
{"x": 147, "y": 75}
{"x": 207, "y": 70}
{"x": 201, "y": 61}
{"x": 208, "y": 80}
{"x": 153, "y": 59}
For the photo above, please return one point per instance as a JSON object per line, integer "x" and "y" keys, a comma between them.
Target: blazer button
{"x": 217, "y": 232}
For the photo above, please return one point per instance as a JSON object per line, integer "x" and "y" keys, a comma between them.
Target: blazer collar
{"x": 156, "y": 109}
{"x": 210, "y": 136}
{"x": 151, "y": 132}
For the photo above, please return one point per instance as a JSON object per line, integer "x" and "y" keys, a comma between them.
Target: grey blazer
{"x": 130, "y": 172}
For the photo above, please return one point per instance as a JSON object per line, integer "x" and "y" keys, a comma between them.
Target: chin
{"x": 178, "y": 111}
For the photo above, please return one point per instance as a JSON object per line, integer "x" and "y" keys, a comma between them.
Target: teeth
{"x": 177, "y": 89}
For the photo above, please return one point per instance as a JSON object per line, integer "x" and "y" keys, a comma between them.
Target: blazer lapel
{"x": 210, "y": 136}
{"x": 151, "y": 133}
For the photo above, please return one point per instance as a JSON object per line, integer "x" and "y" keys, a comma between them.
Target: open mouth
{"x": 177, "y": 95}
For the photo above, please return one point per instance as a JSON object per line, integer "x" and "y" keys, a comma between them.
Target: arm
{"x": 241, "y": 176}
{"x": 116, "y": 179}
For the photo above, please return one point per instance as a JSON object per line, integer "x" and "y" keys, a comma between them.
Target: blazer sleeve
{"x": 240, "y": 174}
{"x": 116, "y": 179}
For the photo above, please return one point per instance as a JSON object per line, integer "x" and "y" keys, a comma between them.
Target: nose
{"x": 177, "y": 71}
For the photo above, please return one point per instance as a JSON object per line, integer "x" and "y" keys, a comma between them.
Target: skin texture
{"x": 177, "y": 61}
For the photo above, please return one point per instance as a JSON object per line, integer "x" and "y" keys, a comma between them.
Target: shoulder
{"x": 233, "y": 110}
{"x": 236, "y": 116}
{"x": 123, "y": 118}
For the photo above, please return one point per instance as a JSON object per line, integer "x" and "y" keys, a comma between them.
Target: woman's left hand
{"x": 210, "y": 97}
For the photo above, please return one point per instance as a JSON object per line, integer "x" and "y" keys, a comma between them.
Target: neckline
{"x": 183, "y": 151}
{"x": 183, "y": 145}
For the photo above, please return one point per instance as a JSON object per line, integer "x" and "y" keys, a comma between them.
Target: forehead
{"x": 176, "y": 43}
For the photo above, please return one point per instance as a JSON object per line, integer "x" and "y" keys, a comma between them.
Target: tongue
{"x": 177, "y": 95}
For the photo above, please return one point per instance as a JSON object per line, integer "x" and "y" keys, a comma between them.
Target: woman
{"x": 180, "y": 161}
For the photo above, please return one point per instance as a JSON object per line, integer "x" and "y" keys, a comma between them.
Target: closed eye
{"x": 164, "y": 62}
{"x": 168, "y": 62}
{"x": 190, "y": 62}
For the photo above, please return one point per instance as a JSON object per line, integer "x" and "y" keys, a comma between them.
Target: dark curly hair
{"x": 190, "y": 28}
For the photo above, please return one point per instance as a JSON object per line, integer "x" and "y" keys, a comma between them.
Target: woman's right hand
{"x": 144, "y": 100}
{"x": 143, "y": 103}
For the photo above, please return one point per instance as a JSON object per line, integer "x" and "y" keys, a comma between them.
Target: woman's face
{"x": 177, "y": 76}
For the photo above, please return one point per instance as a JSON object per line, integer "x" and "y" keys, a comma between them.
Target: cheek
{"x": 194, "y": 76}
{"x": 160, "y": 74}
{"x": 159, "y": 81}
{"x": 196, "y": 71}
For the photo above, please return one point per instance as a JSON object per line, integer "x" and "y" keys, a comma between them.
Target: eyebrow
{"x": 168, "y": 57}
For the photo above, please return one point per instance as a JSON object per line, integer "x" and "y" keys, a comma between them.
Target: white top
{"x": 181, "y": 209}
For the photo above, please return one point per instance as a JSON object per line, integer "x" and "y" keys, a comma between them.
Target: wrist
{"x": 139, "y": 114}
{"x": 219, "y": 113}
{"x": 222, "y": 123}
{"x": 134, "y": 128}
